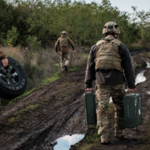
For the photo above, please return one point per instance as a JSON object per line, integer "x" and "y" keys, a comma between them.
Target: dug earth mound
{"x": 35, "y": 121}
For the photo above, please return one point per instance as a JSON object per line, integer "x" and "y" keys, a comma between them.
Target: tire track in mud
{"x": 8, "y": 110}
{"x": 39, "y": 129}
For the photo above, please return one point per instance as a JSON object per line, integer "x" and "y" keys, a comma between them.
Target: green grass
{"x": 18, "y": 116}
{"x": 88, "y": 146}
{"x": 29, "y": 108}
{"x": 92, "y": 138}
{"x": 8, "y": 102}
{"x": 89, "y": 142}
{"x": 85, "y": 55}
{"x": 74, "y": 69}
{"x": 52, "y": 78}
{"x": 57, "y": 75}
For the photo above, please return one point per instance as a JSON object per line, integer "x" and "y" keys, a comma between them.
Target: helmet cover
{"x": 111, "y": 28}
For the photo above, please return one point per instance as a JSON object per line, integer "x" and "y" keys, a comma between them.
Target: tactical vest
{"x": 64, "y": 42}
{"x": 107, "y": 55}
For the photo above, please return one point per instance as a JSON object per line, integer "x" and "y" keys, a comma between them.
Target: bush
{"x": 39, "y": 22}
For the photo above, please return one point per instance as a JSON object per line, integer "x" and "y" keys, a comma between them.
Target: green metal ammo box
{"x": 132, "y": 110}
{"x": 89, "y": 108}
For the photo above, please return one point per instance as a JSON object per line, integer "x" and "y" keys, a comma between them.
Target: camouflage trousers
{"x": 64, "y": 59}
{"x": 103, "y": 94}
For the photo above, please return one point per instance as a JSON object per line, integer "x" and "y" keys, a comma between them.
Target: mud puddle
{"x": 66, "y": 141}
{"x": 140, "y": 78}
{"x": 58, "y": 112}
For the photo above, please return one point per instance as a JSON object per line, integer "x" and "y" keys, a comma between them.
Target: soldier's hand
{"x": 89, "y": 89}
{"x": 5, "y": 62}
{"x": 131, "y": 90}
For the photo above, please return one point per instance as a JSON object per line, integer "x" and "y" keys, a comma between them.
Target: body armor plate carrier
{"x": 64, "y": 42}
{"x": 107, "y": 55}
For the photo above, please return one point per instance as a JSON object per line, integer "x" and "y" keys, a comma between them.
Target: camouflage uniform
{"x": 64, "y": 59}
{"x": 109, "y": 60}
{"x": 103, "y": 93}
{"x": 63, "y": 45}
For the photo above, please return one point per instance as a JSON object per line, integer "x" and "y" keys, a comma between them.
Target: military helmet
{"x": 63, "y": 32}
{"x": 111, "y": 27}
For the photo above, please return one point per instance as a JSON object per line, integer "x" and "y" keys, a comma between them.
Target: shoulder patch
{"x": 100, "y": 42}
{"x": 116, "y": 41}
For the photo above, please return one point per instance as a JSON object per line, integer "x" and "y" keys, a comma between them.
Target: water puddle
{"x": 148, "y": 65}
{"x": 140, "y": 78}
{"x": 66, "y": 141}
{"x": 148, "y": 92}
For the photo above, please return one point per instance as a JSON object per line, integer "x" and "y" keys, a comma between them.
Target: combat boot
{"x": 66, "y": 69}
{"x": 104, "y": 138}
{"x": 119, "y": 134}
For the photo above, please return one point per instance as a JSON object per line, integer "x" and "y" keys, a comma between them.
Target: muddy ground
{"x": 35, "y": 121}
{"x": 136, "y": 139}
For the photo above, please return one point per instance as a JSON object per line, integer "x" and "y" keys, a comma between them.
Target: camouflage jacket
{"x": 111, "y": 77}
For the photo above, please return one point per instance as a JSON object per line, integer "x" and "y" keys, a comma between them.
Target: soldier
{"x": 4, "y": 59}
{"x": 107, "y": 61}
{"x": 63, "y": 45}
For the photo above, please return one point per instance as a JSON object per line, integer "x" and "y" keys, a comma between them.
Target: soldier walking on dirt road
{"x": 63, "y": 45}
{"x": 107, "y": 61}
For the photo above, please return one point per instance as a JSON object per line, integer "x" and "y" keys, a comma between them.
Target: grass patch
{"x": 74, "y": 69}
{"x": 8, "y": 102}
{"x": 88, "y": 146}
{"x": 29, "y": 108}
{"x": 18, "y": 116}
{"x": 92, "y": 138}
{"x": 52, "y": 78}
{"x": 85, "y": 55}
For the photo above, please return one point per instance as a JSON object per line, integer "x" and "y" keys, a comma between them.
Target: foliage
{"x": 12, "y": 36}
{"x": 38, "y": 22}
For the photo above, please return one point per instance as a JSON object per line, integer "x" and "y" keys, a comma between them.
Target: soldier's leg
{"x": 117, "y": 96}
{"x": 62, "y": 61}
{"x": 67, "y": 59}
{"x": 102, "y": 95}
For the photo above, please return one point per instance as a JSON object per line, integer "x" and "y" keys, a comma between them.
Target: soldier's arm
{"x": 57, "y": 44}
{"x": 90, "y": 69}
{"x": 71, "y": 43}
{"x": 127, "y": 66}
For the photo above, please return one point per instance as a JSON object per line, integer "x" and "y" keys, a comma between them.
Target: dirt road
{"x": 136, "y": 139}
{"x": 35, "y": 121}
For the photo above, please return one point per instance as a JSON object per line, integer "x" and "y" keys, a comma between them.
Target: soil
{"x": 58, "y": 111}
{"x": 135, "y": 139}
{"x": 35, "y": 121}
